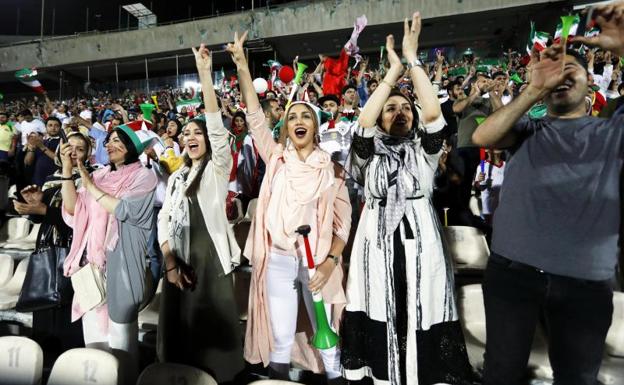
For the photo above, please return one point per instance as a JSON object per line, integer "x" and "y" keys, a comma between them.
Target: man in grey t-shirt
{"x": 554, "y": 247}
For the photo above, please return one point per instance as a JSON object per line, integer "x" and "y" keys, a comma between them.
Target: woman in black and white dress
{"x": 401, "y": 325}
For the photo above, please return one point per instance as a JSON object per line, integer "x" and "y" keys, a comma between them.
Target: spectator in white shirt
{"x": 29, "y": 125}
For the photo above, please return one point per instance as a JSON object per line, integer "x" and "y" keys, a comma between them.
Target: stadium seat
{"x": 612, "y": 370}
{"x": 6, "y": 269}
{"x": 472, "y": 316}
{"x": 251, "y": 210}
{"x": 615, "y": 337}
{"x": 473, "y": 204}
{"x": 148, "y": 317}
{"x": 13, "y": 229}
{"x": 25, "y": 243}
{"x": 84, "y": 366}
{"x": 167, "y": 373}
{"x": 9, "y": 293}
{"x": 239, "y": 211}
{"x": 467, "y": 246}
{"x": 12, "y": 191}
{"x": 21, "y": 361}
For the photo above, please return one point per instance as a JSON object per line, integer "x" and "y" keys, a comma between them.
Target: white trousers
{"x": 285, "y": 274}
{"x": 122, "y": 340}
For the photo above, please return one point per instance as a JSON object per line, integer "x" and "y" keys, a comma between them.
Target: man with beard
{"x": 454, "y": 92}
{"x": 555, "y": 241}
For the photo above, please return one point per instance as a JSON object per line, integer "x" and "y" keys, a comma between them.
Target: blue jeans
{"x": 577, "y": 315}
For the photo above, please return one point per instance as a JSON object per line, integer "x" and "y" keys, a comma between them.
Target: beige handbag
{"x": 89, "y": 285}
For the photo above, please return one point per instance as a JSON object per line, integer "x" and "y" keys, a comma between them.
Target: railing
{"x": 266, "y": 7}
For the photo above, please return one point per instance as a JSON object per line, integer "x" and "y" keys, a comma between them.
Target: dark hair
{"x": 132, "y": 155}
{"x": 620, "y": 87}
{"x": 579, "y": 58}
{"x": 347, "y": 88}
{"x": 452, "y": 84}
{"x": 54, "y": 119}
{"x": 178, "y": 128}
{"x": 239, "y": 114}
{"x": 26, "y": 112}
{"x": 372, "y": 81}
{"x": 395, "y": 92}
{"x": 4, "y": 113}
{"x": 497, "y": 73}
{"x": 194, "y": 185}
{"x": 266, "y": 104}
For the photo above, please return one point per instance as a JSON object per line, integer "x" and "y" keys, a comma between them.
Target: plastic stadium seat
{"x": 615, "y": 337}
{"x": 612, "y": 370}
{"x": 85, "y": 367}
{"x": 167, "y": 373}
{"x": 25, "y": 243}
{"x": 251, "y": 210}
{"x": 13, "y": 229}
{"x": 473, "y": 205}
{"x": 148, "y": 317}
{"x": 9, "y": 293}
{"x": 472, "y": 316}
{"x": 239, "y": 211}
{"x": 12, "y": 191}
{"x": 6, "y": 269}
{"x": 21, "y": 361}
{"x": 467, "y": 246}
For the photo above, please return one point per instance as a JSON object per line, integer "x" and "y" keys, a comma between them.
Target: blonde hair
{"x": 284, "y": 130}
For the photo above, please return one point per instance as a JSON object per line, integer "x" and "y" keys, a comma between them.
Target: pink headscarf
{"x": 94, "y": 228}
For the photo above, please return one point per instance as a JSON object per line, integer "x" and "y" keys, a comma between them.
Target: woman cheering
{"x": 401, "y": 324}
{"x": 301, "y": 187}
{"x": 111, "y": 215}
{"x": 198, "y": 323}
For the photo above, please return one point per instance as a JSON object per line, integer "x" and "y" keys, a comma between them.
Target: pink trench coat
{"x": 334, "y": 218}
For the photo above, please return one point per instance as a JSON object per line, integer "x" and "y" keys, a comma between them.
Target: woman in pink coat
{"x": 302, "y": 186}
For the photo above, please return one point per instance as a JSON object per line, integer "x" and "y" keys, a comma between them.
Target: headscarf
{"x": 96, "y": 230}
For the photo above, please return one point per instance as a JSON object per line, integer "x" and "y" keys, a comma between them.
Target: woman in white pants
{"x": 111, "y": 217}
{"x": 302, "y": 186}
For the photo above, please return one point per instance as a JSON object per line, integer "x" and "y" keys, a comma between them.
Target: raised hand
{"x": 610, "y": 19}
{"x": 66, "y": 160}
{"x": 439, "y": 58}
{"x": 393, "y": 58}
{"x": 236, "y": 49}
{"x": 411, "y": 34}
{"x": 549, "y": 72}
{"x": 203, "y": 59}
{"x": 85, "y": 177}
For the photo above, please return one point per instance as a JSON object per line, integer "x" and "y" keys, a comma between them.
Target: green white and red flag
{"x": 28, "y": 77}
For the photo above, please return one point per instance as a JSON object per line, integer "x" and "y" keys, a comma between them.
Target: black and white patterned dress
{"x": 401, "y": 324}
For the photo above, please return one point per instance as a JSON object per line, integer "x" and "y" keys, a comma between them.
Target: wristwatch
{"x": 335, "y": 259}
{"x": 414, "y": 63}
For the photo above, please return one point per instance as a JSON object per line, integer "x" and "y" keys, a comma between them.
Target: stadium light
{"x": 145, "y": 17}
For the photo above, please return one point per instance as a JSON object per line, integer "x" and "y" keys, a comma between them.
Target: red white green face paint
{"x": 115, "y": 149}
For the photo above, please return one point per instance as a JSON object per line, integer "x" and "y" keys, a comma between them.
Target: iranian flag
{"x": 28, "y": 77}
{"x": 537, "y": 39}
{"x": 568, "y": 27}
{"x": 594, "y": 31}
{"x": 190, "y": 104}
